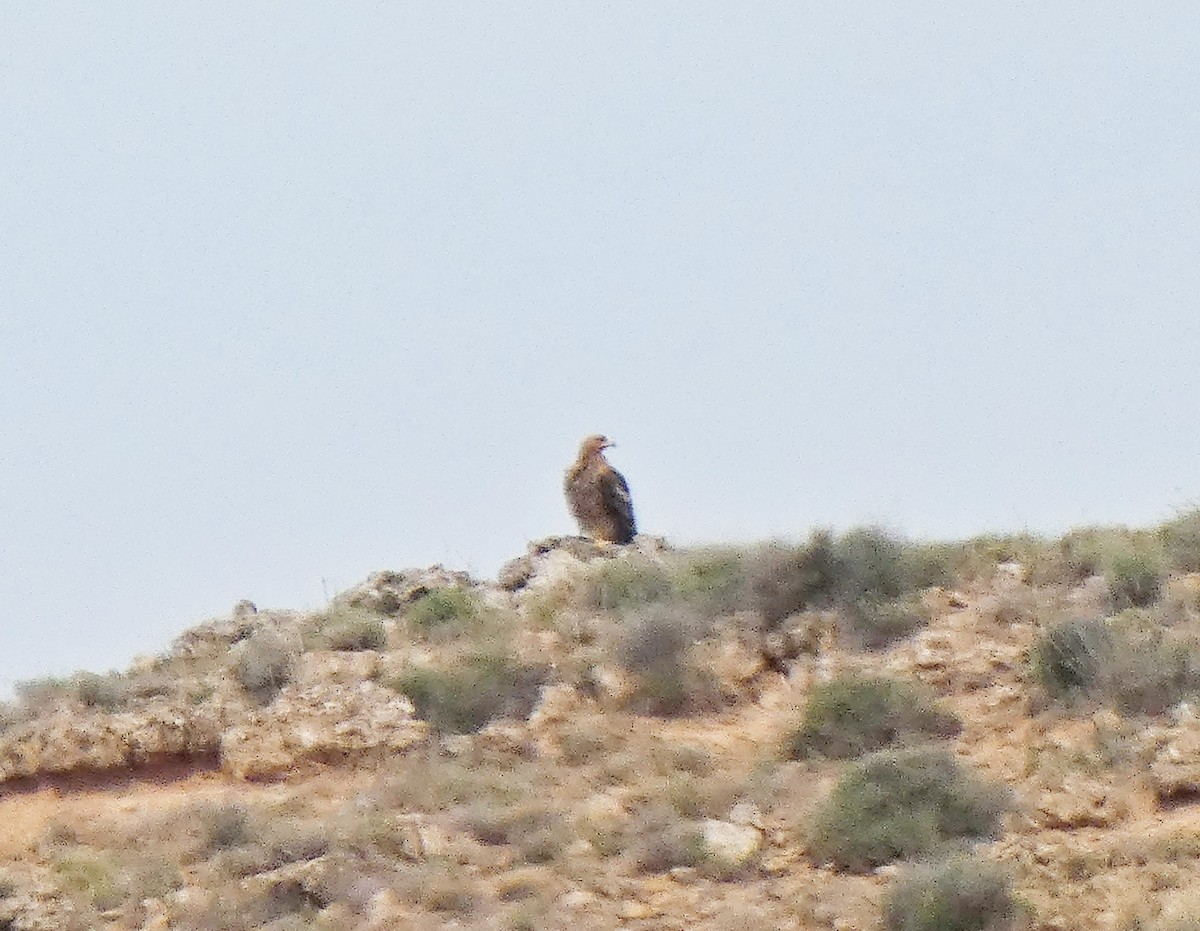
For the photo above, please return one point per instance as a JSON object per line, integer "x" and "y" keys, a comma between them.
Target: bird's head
{"x": 594, "y": 445}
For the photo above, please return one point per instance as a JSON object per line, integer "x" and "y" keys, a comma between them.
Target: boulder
{"x": 390, "y": 592}
{"x": 325, "y": 721}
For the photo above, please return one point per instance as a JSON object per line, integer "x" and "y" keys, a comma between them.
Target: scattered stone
{"x": 730, "y": 844}
{"x": 577, "y": 899}
{"x": 634, "y": 910}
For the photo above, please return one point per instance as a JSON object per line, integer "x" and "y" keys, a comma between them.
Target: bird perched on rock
{"x": 598, "y": 495}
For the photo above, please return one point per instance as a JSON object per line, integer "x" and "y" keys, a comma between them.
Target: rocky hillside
{"x": 854, "y": 733}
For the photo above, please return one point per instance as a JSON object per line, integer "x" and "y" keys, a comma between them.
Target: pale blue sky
{"x": 295, "y": 292}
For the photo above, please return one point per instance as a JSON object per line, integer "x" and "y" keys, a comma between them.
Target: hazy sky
{"x": 295, "y": 292}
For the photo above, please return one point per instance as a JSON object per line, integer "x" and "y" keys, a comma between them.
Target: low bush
{"x": 786, "y": 580}
{"x": 265, "y": 664}
{"x": 1181, "y": 541}
{"x": 872, "y": 564}
{"x": 442, "y": 608}
{"x": 441, "y": 886}
{"x": 481, "y": 688}
{"x": 866, "y": 572}
{"x": 346, "y": 628}
{"x": 94, "y": 877}
{"x": 225, "y": 827}
{"x": 1072, "y": 657}
{"x": 1143, "y": 670}
{"x": 621, "y": 584}
{"x": 1154, "y": 673}
{"x": 898, "y": 804}
{"x": 714, "y": 581}
{"x": 109, "y": 692}
{"x": 1133, "y": 562}
{"x": 851, "y": 716}
{"x": 664, "y": 841}
{"x": 656, "y": 647}
{"x": 1136, "y": 577}
{"x": 873, "y": 624}
{"x": 537, "y": 833}
{"x": 978, "y": 557}
{"x": 959, "y": 894}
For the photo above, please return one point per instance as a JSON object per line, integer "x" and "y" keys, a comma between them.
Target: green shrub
{"x": 1181, "y": 541}
{"x": 621, "y": 584}
{"x": 1073, "y": 557}
{"x": 862, "y": 571}
{"x": 93, "y": 877}
{"x": 461, "y": 700}
{"x": 929, "y": 564}
{"x": 850, "y": 716}
{"x": 959, "y": 894}
{"x": 1151, "y": 671}
{"x": 109, "y": 693}
{"x": 872, "y": 565}
{"x": 450, "y": 606}
{"x": 1133, "y": 562}
{"x": 1070, "y": 659}
{"x": 41, "y": 694}
{"x": 713, "y": 580}
{"x": 664, "y": 841}
{"x": 899, "y": 804}
{"x": 1135, "y": 577}
{"x": 224, "y": 827}
{"x": 978, "y": 557}
{"x": 347, "y": 629}
{"x": 1140, "y": 671}
{"x": 265, "y": 664}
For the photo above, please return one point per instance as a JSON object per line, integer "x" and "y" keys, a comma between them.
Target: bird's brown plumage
{"x": 598, "y": 495}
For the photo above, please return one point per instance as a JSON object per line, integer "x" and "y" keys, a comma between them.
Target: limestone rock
{"x": 35, "y": 903}
{"x": 957, "y": 660}
{"x": 320, "y": 722}
{"x": 731, "y": 844}
{"x": 74, "y": 738}
{"x": 517, "y": 573}
{"x": 389, "y": 592}
{"x": 214, "y": 638}
{"x": 1081, "y": 802}
{"x": 553, "y": 559}
{"x": 1175, "y": 769}
{"x": 559, "y": 702}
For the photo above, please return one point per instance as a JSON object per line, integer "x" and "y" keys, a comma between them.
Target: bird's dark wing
{"x": 619, "y": 503}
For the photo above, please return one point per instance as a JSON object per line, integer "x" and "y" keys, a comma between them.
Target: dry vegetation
{"x": 856, "y": 732}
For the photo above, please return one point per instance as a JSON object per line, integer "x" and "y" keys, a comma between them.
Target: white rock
{"x": 731, "y": 844}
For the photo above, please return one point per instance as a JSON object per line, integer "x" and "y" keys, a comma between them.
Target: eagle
{"x": 598, "y": 495}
